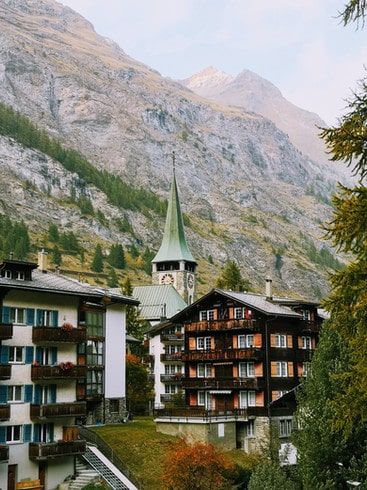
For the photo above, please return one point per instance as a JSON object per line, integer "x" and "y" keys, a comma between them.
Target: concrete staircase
{"x": 84, "y": 474}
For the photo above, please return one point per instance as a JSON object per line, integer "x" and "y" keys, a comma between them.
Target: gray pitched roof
{"x": 277, "y": 306}
{"x": 152, "y": 298}
{"x": 55, "y": 283}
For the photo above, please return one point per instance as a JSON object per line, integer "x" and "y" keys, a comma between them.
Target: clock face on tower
{"x": 167, "y": 279}
{"x": 190, "y": 281}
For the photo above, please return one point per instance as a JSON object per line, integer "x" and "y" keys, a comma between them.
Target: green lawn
{"x": 143, "y": 450}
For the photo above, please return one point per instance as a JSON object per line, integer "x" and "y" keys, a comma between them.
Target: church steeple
{"x": 174, "y": 263}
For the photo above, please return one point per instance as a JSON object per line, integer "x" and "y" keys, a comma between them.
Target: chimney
{"x": 42, "y": 261}
{"x": 268, "y": 288}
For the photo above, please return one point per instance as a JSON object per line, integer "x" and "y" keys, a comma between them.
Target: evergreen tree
{"x": 97, "y": 263}
{"x": 112, "y": 279}
{"x": 53, "y": 233}
{"x": 231, "y": 277}
{"x": 117, "y": 256}
{"x": 56, "y": 256}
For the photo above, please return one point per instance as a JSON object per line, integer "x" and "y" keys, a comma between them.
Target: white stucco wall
{"x": 115, "y": 351}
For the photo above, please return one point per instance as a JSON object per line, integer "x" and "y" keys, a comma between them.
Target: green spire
{"x": 174, "y": 246}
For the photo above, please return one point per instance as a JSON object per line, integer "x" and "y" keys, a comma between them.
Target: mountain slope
{"x": 250, "y": 194}
{"x": 255, "y": 94}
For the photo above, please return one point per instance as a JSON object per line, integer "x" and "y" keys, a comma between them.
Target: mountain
{"x": 249, "y": 193}
{"x": 255, "y": 94}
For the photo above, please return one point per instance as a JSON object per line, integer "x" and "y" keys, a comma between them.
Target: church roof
{"x": 174, "y": 246}
{"x": 155, "y": 299}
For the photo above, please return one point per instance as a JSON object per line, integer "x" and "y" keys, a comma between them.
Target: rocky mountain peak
{"x": 209, "y": 77}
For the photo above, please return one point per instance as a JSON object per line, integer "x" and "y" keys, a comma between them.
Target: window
{"x": 44, "y": 432}
{"x": 94, "y": 382}
{"x": 246, "y": 370}
{"x": 247, "y": 399}
{"x": 285, "y": 427}
{"x": 114, "y": 406}
{"x": 47, "y": 318}
{"x": 203, "y": 343}
{"x": 17, "y": 315}
{"x": 15, "y": 393}
{"x": 94, "y": 353}
{"x": 7, "y": 274}
{"x": 15, "y": 354}
{"x": 282, "y": 369}
{"x": 46, "y": 356}
{"x": 306, "y": 314}
{"x": 201, "y": 398}
{"x": 281, "y": 340}
{"x": 245, "y": 341}
{"x": 204, "y": 371}
{"x": 206, "y": 315}
{"x": 306, "y": 343}
{"x": 170, "y": 389}
{"x": 13, "y": 433}
{"x": 250, "y": 428}
{"x": 172, "y": 369}
{"x": 239, "y": 313}
{"x": 20, "y": 276}
{"x": 94, "y": 320}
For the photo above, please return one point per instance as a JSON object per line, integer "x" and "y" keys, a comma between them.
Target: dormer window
{"x": 20, "y": 275}
{"x": 7, "y": 274}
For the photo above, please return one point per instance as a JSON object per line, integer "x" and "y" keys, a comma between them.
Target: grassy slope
{"x": 143, "y": 450}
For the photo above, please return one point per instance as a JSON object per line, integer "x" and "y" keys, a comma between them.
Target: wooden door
{"x": 12, "y": 471}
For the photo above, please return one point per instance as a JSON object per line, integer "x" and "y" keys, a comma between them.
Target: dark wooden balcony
{"x": 48, "y": 450}
{"x": 222, "y": 325}
{"x": 177, "y": 356}
{"x": 6, "y": 331}
{"x": 307, "y": 326}
{"x": 199, "y": 412}
{"x": 4, "y": 412}
{"x": 223, "y": 383}
{"x": 4, "y": 453}
{"x": 173, "y": 338}
{"x": 52, "y": 410}
{"x": 5, "y": 371}
{"x": 40, "y": 373}
{"x": 166, "y": 378}
{"x": 58, "y": 334}
{"x": 303, "y": 355}
{"x": 223, "y": 354}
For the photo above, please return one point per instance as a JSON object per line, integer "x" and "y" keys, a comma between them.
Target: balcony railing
{"x": 4, "y": 453}
{"x": 173, "y": 338}
{"x": 177, "y": 356}
{"x": 51, "y": 410}
{"x": 45, "y": 450}
{"x": 5, "y": 371}
{"x": 39, "y": 373}
{"x": 171, "y": 377}
{"x": 223, "y": 354}
{"x": 309, "y": 326}
{"x": 4, "y": 412}
{"x": 303, "y": 355}
{"x": 223, "y": 383}
{"x": 222, "y": 325}
{"x": 57, "y": 334}
{"x": 197, "y": 412}
{"x": 6, "y": 331}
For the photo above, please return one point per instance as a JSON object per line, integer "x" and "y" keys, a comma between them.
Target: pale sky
{"x": 298, "y": 45}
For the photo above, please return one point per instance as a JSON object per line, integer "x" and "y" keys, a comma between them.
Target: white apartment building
{"x": 62, "y": 344}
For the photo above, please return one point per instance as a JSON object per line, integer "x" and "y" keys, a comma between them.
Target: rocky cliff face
{"x": 250, "y": 193}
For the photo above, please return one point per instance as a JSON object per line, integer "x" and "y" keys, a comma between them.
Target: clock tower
{"x": 174, "y": 263}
